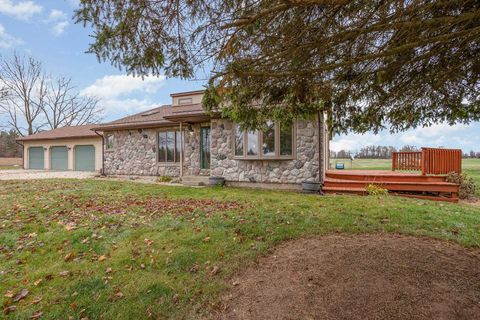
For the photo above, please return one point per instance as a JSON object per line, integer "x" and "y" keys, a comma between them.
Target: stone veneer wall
{"x": 135, "y": 153}
{"x": 305, "y": 167}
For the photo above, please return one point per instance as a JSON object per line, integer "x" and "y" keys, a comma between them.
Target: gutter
{"x": 102, "y": 170}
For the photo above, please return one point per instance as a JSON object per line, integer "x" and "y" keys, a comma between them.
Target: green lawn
{"x": 10, "y": 167}
{"x": 101, "y": 249}
{"x": 470, "y": 166}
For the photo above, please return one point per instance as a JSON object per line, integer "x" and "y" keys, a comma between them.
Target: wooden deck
{"x": 409, "y": 184}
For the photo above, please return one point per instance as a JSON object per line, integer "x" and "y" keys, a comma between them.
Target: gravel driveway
{"x": 42, "y": 174}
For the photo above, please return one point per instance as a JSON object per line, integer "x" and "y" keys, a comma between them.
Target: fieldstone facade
{"x": 135, "y": 153}
{"x": 304, "y": 166}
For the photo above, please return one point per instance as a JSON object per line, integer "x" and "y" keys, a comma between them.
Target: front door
{"x": 205, "y": 147}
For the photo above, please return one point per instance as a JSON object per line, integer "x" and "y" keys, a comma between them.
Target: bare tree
{"x": 63, "y": 106}
{"x": 22, "y": 83}
{"x": 31, "y": 101}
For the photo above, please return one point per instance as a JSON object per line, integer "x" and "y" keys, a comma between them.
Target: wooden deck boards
{"x": 409, "y": 184}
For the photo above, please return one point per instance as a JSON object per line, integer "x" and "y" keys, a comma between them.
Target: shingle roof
{"x": 152, "y": 118}
{"x": 84, "y": 131}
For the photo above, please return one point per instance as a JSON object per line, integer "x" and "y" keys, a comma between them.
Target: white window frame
{"x": 185, "y": 101}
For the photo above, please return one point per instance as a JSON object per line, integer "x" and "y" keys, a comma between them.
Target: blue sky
{"x": 45, "y": 30}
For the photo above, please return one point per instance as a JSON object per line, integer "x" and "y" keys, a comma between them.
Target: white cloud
{"x": 21, "y": 10}
{"x": 8, "y": 41}
{"x": 59, "y": 20}
{"x": 56, "y": 15}
{"x": 354, "y": 141}
{"x": 433, "y": 136}
{"x": 114, "y": 86}
{"x": 59, "y": 28}
{"x": 127, "y": 106}
{"x": 122, "y": 94}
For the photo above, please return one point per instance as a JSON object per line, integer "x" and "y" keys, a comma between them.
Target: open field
{"x": 469, "y": 166}
{"x": 122, "y": 250}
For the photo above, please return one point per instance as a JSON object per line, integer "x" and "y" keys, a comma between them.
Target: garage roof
{"x": 84, "y": 131}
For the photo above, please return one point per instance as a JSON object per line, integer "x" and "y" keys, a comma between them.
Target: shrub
{"x": 164, "y": 179}
{"x": 375, "y": 190}
{"x": 466, "y": 184}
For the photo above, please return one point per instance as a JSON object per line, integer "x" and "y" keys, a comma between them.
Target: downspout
{"x": 102, "y": 171}
{"x": 181, "y": 149}
{"x": 321, "y": 152}
{"x": 23, "y": 153}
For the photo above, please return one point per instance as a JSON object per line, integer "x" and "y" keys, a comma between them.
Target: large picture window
{"x": 275, "y": 141}
{"x": 169, "y": 146}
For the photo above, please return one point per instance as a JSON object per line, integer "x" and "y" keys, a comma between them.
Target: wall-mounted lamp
{"x": 190, "y": 128}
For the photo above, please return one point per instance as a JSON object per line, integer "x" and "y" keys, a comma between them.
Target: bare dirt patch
{"x": 375, "y": 276}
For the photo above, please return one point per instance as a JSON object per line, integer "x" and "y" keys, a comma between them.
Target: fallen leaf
{"x": 148, "y": 242}
{"x": 21, "y": 295}
{"x": 69, "y": 256}
{"x": 36, "y": 300}
{"x": 206, "y": 239}
{"x": 36, "y": 315}
{"x": 9, "y": 294}
{"x": 175, "y": 298}
{"x": 109, "y": 270}
{"x": 215, "y": 270}
{"x": 9, "y": 309}
{"x": 64, "y": 273}
{"x": 36, "y": 283}
{"x": 194, "y": 268}
{"x": 102, "y": 258}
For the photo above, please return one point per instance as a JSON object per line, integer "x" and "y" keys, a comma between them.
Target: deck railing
{"x": 429, "y": 161}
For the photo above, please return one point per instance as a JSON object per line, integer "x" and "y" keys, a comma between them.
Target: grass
{"x": 10, "y": 167}
{"x": 122, "y": 250}
{"x": 469, "y": 166}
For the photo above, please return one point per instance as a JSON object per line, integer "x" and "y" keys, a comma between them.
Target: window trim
{"x": 169, "y": 163}
{"x": 106, "y": 142}
{"x": 186, "y": 101}
{"x": 260, "y": 155}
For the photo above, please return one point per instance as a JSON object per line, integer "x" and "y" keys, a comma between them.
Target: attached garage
{"x": 59, "y": 158}
{"x": 85, "y": 158}
{"x": 68, "y": 148}
{"x": 36, "y": 158}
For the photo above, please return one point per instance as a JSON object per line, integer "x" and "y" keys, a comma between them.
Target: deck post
{"x": 422, "y": 161}
{"x": 394, "y": 161}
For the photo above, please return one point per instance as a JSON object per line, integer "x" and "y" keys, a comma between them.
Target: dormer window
{"x": 183, "y": 101}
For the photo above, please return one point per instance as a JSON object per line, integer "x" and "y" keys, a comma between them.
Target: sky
{"x": 45, "y": 30}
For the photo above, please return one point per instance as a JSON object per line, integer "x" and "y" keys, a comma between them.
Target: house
{"x": 181, "y": 140}
{"x": 68, "y": 148}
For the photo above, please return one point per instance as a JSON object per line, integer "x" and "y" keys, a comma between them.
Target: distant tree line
{"x": 472, "y": 154}
{"x": 384, "y": 152}
{"x": 8, "y": 147}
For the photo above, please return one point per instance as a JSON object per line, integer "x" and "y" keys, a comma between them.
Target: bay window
{"x": 274, "y": 141}
{"x": 169, "y": 146}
